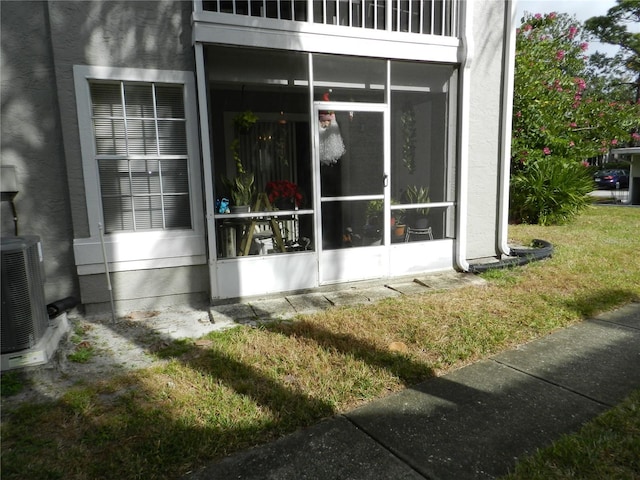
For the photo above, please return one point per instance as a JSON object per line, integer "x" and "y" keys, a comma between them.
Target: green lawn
{"x": 250, "y": 385}
{"x": 606, "y": 448}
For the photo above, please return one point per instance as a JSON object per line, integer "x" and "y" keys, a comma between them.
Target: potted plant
{"x": 242, "y": 188}
{"x": 417, "y": 218}
{"x": 374, "y": 216}
{"x": 284, "y": 194}
{"x": 397, "y": 223}
{"x": 374, "y": 211}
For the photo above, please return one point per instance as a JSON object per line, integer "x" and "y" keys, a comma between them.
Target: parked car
{"x": 612, "y": 178}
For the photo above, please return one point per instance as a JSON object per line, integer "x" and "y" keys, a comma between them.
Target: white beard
{"x": 331, "y": 144}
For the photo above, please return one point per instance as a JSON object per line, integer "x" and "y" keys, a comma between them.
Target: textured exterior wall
{"x": 153, "y": 34}
{"x": 484, "y": 128}
{"x": 31, "y": 141}
{"x": 41, "y": 42}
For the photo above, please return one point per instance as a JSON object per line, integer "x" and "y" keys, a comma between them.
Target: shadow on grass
{"x": 135, "y": 427}
{"x": 399, "y": 365}
{"x": 588, "y": 305}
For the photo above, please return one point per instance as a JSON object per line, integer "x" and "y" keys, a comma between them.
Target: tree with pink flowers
{"x": 558, "y": 123}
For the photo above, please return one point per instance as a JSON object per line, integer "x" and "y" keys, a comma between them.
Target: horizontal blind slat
{"x": 141, "y": 193}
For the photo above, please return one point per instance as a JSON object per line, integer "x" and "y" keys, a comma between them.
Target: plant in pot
{"x": 242, "y": 187}
{"x": 283, "y": 194}
{"x": 398, "y": 223}
{"x": 417, "y": 218}
{"x": 374, "y": 212}
{"x": 242, "y": 190}
{"x": 375, "y": 216}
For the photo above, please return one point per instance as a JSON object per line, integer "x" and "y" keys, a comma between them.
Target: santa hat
{"x": 326, "y": 116}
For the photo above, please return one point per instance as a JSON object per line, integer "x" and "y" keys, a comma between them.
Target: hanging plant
{"x": 242, "y": 188}
{"x": 281, "y": 144}
{"x": 242, "y": 123}
{"x": 408, "y": 120}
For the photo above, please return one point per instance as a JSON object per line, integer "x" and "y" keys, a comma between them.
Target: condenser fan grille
{"x": 24, "y": 311}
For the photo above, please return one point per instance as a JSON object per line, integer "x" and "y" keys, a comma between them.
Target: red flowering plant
{"x": 559, "y": 120}
{"x": 283, "y": 190}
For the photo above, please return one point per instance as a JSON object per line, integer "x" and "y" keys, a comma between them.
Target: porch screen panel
{"x": 423, "y": 126}
{"x": 141, "y": 152}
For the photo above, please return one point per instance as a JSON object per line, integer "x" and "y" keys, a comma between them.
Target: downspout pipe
{"x": 467, "y": 51}
{"x": 507, "y": 119}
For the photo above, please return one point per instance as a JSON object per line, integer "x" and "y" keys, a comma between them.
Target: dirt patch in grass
{"x": 97, "y": 348}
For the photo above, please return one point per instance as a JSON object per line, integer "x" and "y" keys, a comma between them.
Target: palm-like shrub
{"x": 549, "y": 191}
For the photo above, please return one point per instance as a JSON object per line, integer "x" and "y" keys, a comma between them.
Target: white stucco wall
{"x": 485, "y": 127}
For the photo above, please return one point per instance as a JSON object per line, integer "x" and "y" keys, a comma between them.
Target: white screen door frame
{"x": 361, "y": 179}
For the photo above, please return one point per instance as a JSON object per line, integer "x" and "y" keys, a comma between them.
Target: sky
{"x": 581, "y": 9}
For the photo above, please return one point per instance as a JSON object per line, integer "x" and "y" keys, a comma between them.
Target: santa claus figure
{"x": 331, "y": 144}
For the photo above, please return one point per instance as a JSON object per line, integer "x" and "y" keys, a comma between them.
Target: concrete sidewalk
{"x": 471, "y": 424}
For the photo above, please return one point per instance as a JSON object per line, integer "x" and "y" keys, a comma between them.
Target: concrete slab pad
{"x": 409, "y": 288}
{"x": 600, "y": 360}
{"x": 231, "y": 313}
{"x": 448, "y": 280}
{"x": 308, "y": 302}
{"x": 272, "y": 308}
{"x": 381, "y": 292}
{"x": 332, "y": 449}
{"x": 42, "y": 351}
{"x": 347, "y": 297}
{"x": 475, "y": 422}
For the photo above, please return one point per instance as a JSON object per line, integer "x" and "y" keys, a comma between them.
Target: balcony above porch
{"x": 386, "y": 28}
{"x": 427, "y": 17}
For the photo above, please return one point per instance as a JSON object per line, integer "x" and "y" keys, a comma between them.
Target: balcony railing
{"x": 429, "y": 17}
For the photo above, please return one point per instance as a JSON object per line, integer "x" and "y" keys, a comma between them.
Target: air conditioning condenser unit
{"x": 24, "y": 311}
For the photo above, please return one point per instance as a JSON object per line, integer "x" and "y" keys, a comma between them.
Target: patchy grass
{"x": 246, "y": 386}
{"x": 82, "y": 354}
{"x": 11, "y": 383}
{"x": 84, "y": 350}
{"x": 607, "y": 447}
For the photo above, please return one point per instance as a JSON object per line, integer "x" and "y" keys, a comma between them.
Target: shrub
{"x": 549, "y": 191}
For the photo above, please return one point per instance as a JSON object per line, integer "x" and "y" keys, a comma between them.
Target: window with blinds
{"x": 141, "y": 154}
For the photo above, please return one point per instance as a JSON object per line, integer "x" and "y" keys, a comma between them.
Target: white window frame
{"x": 146, "y": 249}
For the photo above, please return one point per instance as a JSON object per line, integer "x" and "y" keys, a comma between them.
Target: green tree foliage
{"x": 622, "y": 72}
{"x": 556, "y": 123}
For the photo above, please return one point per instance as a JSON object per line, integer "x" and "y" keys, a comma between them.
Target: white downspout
{"x": 507, "y": 119}
{"x": 466, "y": 14}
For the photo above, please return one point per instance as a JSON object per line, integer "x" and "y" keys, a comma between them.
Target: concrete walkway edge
{"x": 473, "y": 423}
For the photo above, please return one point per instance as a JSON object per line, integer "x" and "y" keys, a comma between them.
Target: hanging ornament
{"x": 331, "y": 144}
